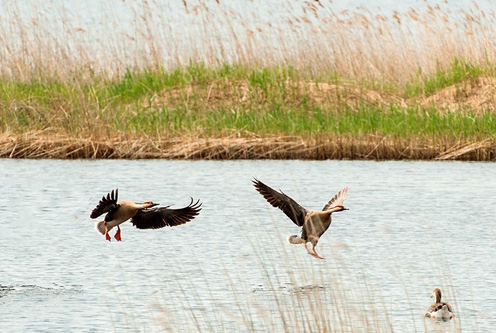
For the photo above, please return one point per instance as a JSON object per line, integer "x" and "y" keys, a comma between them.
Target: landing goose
{"x": 314, "y": 223}
{"x": 439, "y": 310}
{"x": 143, "y": 215}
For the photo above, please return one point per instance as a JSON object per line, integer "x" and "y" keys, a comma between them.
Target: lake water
{"x": 411, "y": 227}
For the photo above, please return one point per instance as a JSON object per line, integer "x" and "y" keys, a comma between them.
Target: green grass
{"x": 271, "y": 105}
{"x": 134, "y": 85}
{"x": 459, "y": 71}
{"x": 394, "y": 121}
{"x": 139, "y": 84}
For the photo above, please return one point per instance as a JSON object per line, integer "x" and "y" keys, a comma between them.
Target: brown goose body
{"x": 313, "y": 223}
{"x": 439, "y": 310}
{"x": 145, "y": 215}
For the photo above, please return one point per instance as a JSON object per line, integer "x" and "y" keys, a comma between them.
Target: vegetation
{"x": 440, "y": 98}
{"x": 201, "y": 100}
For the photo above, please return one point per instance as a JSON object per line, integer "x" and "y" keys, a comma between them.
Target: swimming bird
{"x": 143, "y": 215}
{"x": 314, "y": 223}
{"x": 439, "y": 310}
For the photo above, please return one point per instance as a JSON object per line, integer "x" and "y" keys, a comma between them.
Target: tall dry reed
{"x": 320, "y": 147}
{"x": 52, "y": 40}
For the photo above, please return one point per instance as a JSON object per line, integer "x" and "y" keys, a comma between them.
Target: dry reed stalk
{"x": 50, "y": 40}
{"x": 463, "y": 149}
{"x": 317, "y": 147}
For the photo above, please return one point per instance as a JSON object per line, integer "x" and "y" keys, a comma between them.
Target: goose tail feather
{"x": 296, "y": 240}
{"x": 100, "y": 227}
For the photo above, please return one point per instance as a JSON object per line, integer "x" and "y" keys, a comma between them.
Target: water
{"x": 411, "y": 227}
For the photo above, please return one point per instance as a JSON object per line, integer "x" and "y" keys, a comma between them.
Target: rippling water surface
{"x": 411, "y": 227}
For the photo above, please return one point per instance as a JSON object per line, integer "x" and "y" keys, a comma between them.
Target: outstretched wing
{"x": 337, "y": 199}
{"x": 280, "y": 200}
{"x": 105, "y": 205}
{"x": 159, "y": 217}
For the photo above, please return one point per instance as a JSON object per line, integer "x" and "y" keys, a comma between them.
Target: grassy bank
{"x": 365, "y": 85}
{"x": 238, "y": 112}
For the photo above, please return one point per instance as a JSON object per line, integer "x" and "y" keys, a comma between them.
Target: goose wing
{"x": 280, "y": 200}
{"x": 159, "y": 217}
{"x": 432, "y": 308}
{"x": 106, "y": 204}
{"x": 337, "y": 199}
{"x": 436, "y": 307}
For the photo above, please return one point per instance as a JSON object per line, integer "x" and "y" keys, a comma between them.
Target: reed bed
{"x": 320, "y": 37}
{"x": 215, "y": 79}
{"x": 36, "y": 145}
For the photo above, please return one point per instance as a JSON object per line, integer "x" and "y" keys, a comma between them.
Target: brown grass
{"x": 52, "y": 41}
{"x": 477, "y": 94}
{"x": 226, "y": 93}
{"x": 42, "y": 145}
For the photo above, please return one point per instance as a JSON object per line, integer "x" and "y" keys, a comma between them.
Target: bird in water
{"x": 314, "y": 223}
{"x": 439, "y": 310}
{"x": 144, "y": 215}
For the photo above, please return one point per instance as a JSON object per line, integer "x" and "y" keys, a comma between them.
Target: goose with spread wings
{"x": 143, "y": 215}
{"x": 313, "y": 223}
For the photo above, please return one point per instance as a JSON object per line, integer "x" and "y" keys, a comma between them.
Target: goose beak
{"x": 148, "y": 203}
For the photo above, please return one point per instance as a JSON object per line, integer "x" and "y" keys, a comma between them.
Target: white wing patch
{"x": 337, "y": 199}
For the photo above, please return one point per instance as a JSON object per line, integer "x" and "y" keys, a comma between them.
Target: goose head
{"x": 436, "y": 294}
{"x": 147, "y": 204}
{"x": 339, "y": 208}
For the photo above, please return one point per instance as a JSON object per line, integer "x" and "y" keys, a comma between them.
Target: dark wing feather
{"x": 105, "y": 205}
{"x": 159, "y": 217}
{"x": 280, "y": 200}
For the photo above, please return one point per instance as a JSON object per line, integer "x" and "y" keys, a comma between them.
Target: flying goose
{"x": 314, "y": 223}
{"x": 439, "y": 310}
{"x": 143, "y": 215}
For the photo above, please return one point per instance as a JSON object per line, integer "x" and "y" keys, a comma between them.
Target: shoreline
{"x": 248, "y": 115}
{"x": 190, "y": 147}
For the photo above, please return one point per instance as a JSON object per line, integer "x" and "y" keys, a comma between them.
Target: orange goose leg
{"x": 117, "y": 235}
{"x": 313, "y": 254}
{"x": 316, "y": 255}
{"x": 308, "y": 250}
{"x": 107, "y": 236}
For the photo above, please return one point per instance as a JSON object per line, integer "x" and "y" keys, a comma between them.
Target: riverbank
{"x": 248, "y": 113}
{"x": 304, "y": 81}
{"x": 40, "y": 145}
